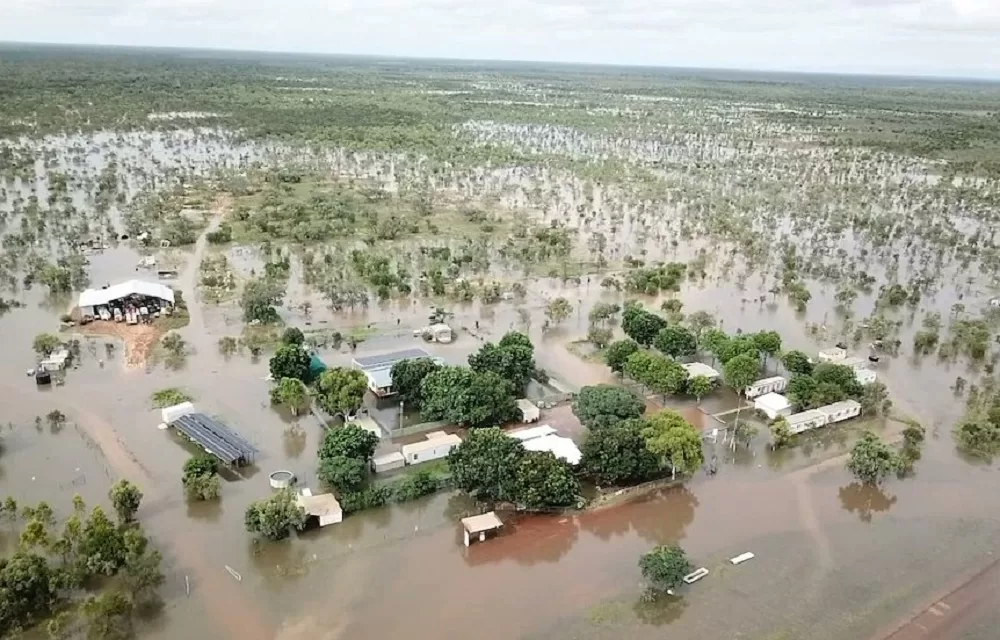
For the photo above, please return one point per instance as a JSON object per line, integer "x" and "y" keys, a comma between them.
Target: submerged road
{"x": 951, "y": 615}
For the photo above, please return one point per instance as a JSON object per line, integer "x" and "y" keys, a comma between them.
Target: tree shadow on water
{"x": 658, "y": 609}
{"x": 865, "y": 500}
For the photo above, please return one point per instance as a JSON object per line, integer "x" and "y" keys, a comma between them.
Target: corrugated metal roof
{"x": 389, "y": 359}
{"x": 95, "y": 297}
{"x": 215, "y": 437}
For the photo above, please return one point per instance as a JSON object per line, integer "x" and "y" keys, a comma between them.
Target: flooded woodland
{"x": 860, "y": 211}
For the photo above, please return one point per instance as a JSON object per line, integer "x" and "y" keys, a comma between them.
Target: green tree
{"x": 699, "y": 321}
{"x": 716, "y": 342}
{"x": 558, "y": 310}
{"x": 274, "y": 517}
{"x": 673, "y": 308}
{"x": 108, "y": 616}
{"x": 797, "y": 363}
{"x": 45, "y": 343}
{"x": 545, "y": 481}
{"x": 767, "y": 342}
{"x": 979, "y": 437}
{"x": 408, "y": 376}
{"x": 169, "y": 397}
{"x": 342, "y": 473}
{"x": 465, "y": 397}
{"x": 676, "y": 341}
{"x": 659, "y": 373}
{"x": 617, "y": 456}
{"x": 513, "y": 359}
{"x": 201, "y": 477}
{"x": 486, "y": 465}
{"x": 125, "y": 497}
{"x": 641, "y": 325}
{"x": 839, "y": 375}
{"x": 101, "y": 550}
{"x": 700, "y": 386}
{"x": 141, "y": 574}
{"x": 664, "y": 567}
{"x": 674, "y": 441}
{"x": 349, "y": 441}
{"x": 781, "y": 434}
{"x": 341, "y": 390}
{"x": 801, "y": 391}
{"x": 26, "y": 591}
{"x": 602, "y": 312}
{"x": 871, "y": 460}
{"x": 618, "y": 352}
{"x": 606, "y": 400}
{"x": 259, "y": 300}
{"x": 293, "y": 335}
{"x": 600, "y": 337}
{"x": 292, "y": 393}
{"x": 290, "y": 361}
{"x": 741, "y": 371}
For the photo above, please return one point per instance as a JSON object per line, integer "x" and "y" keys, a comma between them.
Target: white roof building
{"x": 533, "y": 432}
{"x": 324, "y": 507}
{"x": 438, "y": 444}
{"x": 766, "y": 385}
{"x": 560, "y": 447}
{"x": 529, "y": 411}
{"x": 806, "y": 420}
{"x": 97, "y": 297}
{"x": 843, "y": 410}
{"x": 833, "y": 354}
{"x": 700, "y": 369}
{"x": 773, "y": 404}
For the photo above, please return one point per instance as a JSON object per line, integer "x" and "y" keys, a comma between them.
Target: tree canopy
{"x": 274, "y": 517}
{"x": 618, "y": 352}
{"x": 676, "y": 341}
{"x": 617, "y": 455}
{"x": 593, "y": 402}
{"x": 125, "y": 497}
{"x": 664, "y": 567}
{"x": 486, "y": 463}
{"x": 871, "y": 460}
{"x": 674, "y": 441}
{"x": 741, "y": 371}
{"x": 468, "y": 398}
{"x": 259, "y": 300}
{"x": 545, "y": 481}
{"x": 641, "y": 325}
{"x": 797, "y": 363}
{"x": 408, "y": 376}
{"x": 292, "y": 393}
{"x": 341, "y": 390}
{"x": 513, "y": 359}
{"x": 349, "y": 441}
{"x": 290, "y": 361}
{"x": 659, "y": 373}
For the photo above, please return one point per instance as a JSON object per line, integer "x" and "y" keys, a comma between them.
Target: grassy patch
{"x": 169, "y": 397}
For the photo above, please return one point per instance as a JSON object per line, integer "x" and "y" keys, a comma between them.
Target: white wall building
{"x": 806, "y": 420}
{"x": 774, "y": 405}
{"x": 437, "y": 445}
{"x": 529, "y": 412}
{"x": 776, "y": 384}
{"x": 865, "y": 376}
{"x": 560, "y": 447}
{"x": 833, "y": 354}
{"x": 840, "y": 411}
{"x": 90, "y": 299}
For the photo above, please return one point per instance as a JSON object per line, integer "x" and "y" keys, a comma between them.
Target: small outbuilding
{"x": 560, "y": 447}
{"x": 437, "y": 445}
{"x": 833, "y": 354}
{"x": 388, "y": 462}
{"x": 323, "y": 507}
{"x": 776, "y": 384}
{"x": 806, "y": 420}
{"x": 529, "y": 412}
{"x": 695, "y": 369}
{"x": 479, "y": 526}
{"x": 171, "y": 413}
{"x": 774, "y": 405}
{"x": 439, "y": 332}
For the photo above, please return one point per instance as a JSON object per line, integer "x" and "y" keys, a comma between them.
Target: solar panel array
{"x": 387, "y": 359}
{"x": 216, "y": 438}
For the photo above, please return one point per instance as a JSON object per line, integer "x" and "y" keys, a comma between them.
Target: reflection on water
{"x": 865, "y": 500}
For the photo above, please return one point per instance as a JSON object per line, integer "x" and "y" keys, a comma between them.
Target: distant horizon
{"x": 249, "y": 53}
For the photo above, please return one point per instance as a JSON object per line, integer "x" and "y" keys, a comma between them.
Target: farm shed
{"x": 695, "y": 369}
{"x": 775, "y": 384}
{"x": 378, "y": 368}
{"x": 131, "y": 292}
{"x": 437, "y": 445}
{"x": 529, "y": 412}
{"x": 806, "y": 420}
{"x": 773, "y": 404}
{"x": 840, "y": 411}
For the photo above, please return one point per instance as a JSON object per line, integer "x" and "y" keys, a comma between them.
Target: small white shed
{"x": 388, "y": 462}
{"x": 170, "y": 414}
{"x": 774, "y": 405}
{"x": 437, "y": 445}
{"x": 695, "y": 369}
{"x": 323, "y": 507}
{"x": 529, "y": 412}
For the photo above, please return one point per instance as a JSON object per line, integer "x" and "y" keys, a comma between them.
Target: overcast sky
{"x": 921, "y": 37}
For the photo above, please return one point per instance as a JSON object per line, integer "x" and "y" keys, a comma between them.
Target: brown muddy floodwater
{"x": 833, "y": 559}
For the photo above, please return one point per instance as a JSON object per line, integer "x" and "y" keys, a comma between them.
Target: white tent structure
{"x": 774, "y": 405}
{"x": 92, "y": 298}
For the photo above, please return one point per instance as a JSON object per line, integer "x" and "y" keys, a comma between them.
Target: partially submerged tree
{"x": 871, "y": 460}
{"x": 558, "y": 310}
{"x": 485, "y": 465}
{"x": 201, "y": 477}
{"x": 641, "y": 325}
{"x": 676, "y": 341}
{"x": 290, "y": 361}
{"x": 45, "y": 343}
{"x": 512, "y": 359}
{"x": 465, "y": 397}
{"x": 797, "y": 363}
{"x": 408, "y": 376}
{"x": 125, "y": 497}
{"x": 545, "y": 481}
{"x": 700, "y": 386}
{"x": 273, "y": 518}
{"x": 781, "y": 433}
{"x": 292, "y": 393}
{"x": 259, "y": 300}
{"x": 618, "y": 352}
{"x": 664, "y": 567}
{"x": 617, "y": 455}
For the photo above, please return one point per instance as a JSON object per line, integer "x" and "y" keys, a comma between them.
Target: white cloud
{"x": 960, "y": 37}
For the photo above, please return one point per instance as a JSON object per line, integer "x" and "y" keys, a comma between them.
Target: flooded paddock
{"x": 834, "y": 559}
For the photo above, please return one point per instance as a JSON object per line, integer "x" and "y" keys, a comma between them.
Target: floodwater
{"x": 834, "y": 560}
